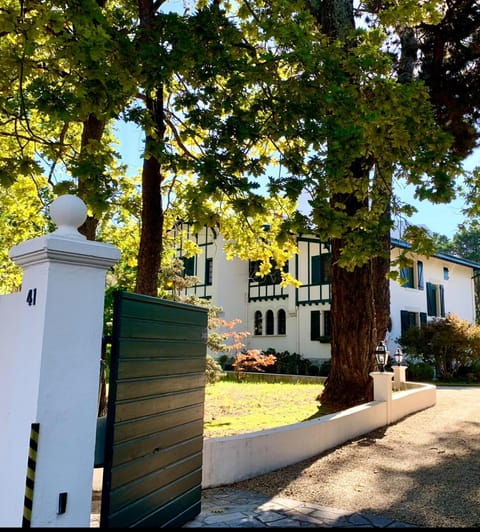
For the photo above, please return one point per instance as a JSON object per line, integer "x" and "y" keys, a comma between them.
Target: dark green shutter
{"x": 404, "y": 320}
{"x": 431, "y": 299}
{"x": 442, "y": 300}
{"x": 315, "y": 325}
{"x": 325, "y": 267}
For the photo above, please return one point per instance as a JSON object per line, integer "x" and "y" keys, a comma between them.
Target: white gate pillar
{"x": 382, "y": 391}
{"x": 399, "y": 377}
{"x": 56, "y": 374}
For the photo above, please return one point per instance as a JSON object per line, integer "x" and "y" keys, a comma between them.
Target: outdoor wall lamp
{"x": 398, "y": 356}
{"x": 381, "y": 355}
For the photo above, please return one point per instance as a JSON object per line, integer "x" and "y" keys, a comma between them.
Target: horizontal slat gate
{"x": 154, "y": 435}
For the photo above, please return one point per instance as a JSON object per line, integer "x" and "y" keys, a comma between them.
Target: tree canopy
{"x": 342, "y": 98}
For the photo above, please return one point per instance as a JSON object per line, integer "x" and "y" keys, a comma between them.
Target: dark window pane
{"x": 188, "y": 265}
{"x": 208, "y": 271}
{"x": 270, "y": 328}
{"x": 281, "y": 322}
{"x": 315, "y": 325}
{"x": 258, "y": 323}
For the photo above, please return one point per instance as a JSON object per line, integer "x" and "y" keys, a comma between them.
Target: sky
{"x": 443, "y": 219}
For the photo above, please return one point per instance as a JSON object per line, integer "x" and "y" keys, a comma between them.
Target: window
{"x": 321, "y": 266}
{"x": 270, "y": 324}
{"x": 208, "y": 271}
{"x": 258, "y": 325}
{"x": 315, "y": 325}
{"x": 281, "y": 322}
{"x": 320, "y": 325}
{"x": 435, "y": 300}
{"x": 274, "y": 277}
{"x": 445, "y": 274}
{"x": 406, "y": 275}
{"x": 412, "y": 276}
{"x": 411, "y": 319}
{"x": 188, "y": 265}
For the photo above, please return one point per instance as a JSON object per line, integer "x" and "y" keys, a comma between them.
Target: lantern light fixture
{"x": 381, "y": 356}
{"x": 398, "y": 356}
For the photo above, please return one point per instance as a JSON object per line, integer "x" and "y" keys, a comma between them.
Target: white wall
{"x": 459, "y": 293}
{"x": 231, "y": 459}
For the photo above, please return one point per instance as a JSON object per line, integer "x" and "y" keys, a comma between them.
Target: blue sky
{"x": 440, "y": 218}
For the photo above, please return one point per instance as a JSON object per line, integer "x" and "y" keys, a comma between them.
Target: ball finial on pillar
{"x": 68, "y": 212}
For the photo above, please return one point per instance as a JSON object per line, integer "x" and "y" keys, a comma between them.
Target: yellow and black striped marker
{"x": 32, "y": 463}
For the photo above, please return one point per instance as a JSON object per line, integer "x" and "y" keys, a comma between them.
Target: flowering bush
{"x": 252, "y": 360}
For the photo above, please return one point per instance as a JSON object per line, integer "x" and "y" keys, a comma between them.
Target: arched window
{"x": 258, "y": 330}
{"x": 281, "y": 322}
{"x": 270, "y": 322}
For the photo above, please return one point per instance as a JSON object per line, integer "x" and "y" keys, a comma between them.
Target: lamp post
{"x": 399, "y": 377}
{"x": 398, "y": 356}
{"x": 381, "y": 355}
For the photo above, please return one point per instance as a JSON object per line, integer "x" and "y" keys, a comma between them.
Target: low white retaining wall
{"x": 231, "y": 459}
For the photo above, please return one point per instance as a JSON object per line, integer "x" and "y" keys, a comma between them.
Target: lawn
{"x": 238, "y": 407}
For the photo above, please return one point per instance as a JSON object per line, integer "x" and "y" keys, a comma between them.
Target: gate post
{"x": 55, "y": 374}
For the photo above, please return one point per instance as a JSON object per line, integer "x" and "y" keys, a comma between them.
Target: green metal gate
{"x": 154, "y": 431}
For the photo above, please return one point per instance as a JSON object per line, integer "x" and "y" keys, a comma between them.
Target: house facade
{"x": 298, "y": 319}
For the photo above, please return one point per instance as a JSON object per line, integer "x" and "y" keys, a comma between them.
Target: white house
{"x": 298, "y": 319}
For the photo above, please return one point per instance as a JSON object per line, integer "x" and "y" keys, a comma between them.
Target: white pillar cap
{"x": 68, "y": 213}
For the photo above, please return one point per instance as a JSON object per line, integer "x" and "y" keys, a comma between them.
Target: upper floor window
{"x": 445, "y": 274}
{"x": 321, "y": 268}
{"x": 412, "y": 276}
{"x": 435, "y": 300}
{"x": 274, "y": 277}
{"x": 208, "y": 271}
{"x": 188, "y": 265}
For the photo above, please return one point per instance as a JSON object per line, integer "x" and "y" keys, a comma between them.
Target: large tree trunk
{"x": 360, "y": 310}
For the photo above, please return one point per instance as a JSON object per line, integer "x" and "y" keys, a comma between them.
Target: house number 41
{"x": 32, "y": 297}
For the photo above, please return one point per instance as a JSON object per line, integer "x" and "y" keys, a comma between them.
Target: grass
{"x": 238, "y": 407}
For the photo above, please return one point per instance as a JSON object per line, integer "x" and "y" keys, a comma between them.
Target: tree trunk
{"x": 93, "y": 129}
{"x": 151, "y": 236}
{"x": 360, "y": 308}
{"x": 360, "y": 299}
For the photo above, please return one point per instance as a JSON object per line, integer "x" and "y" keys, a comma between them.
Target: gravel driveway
{"x": 424, "y": 469}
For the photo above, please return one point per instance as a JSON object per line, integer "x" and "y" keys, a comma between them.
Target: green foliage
{"x": 291, "y": 363}
{"x": 420, "y": 371}
{"x": 448, "y": 344}
{"x": 213, "y": 370}
{"x": 22, "y": 216}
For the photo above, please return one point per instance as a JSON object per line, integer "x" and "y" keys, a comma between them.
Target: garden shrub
{"x": 290, "y": 363}
{"x": 448, "y": 344}
{"x": 213, "y": 370}
{"x": 252, "y": 360}
{"x": 420, "y": 371}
